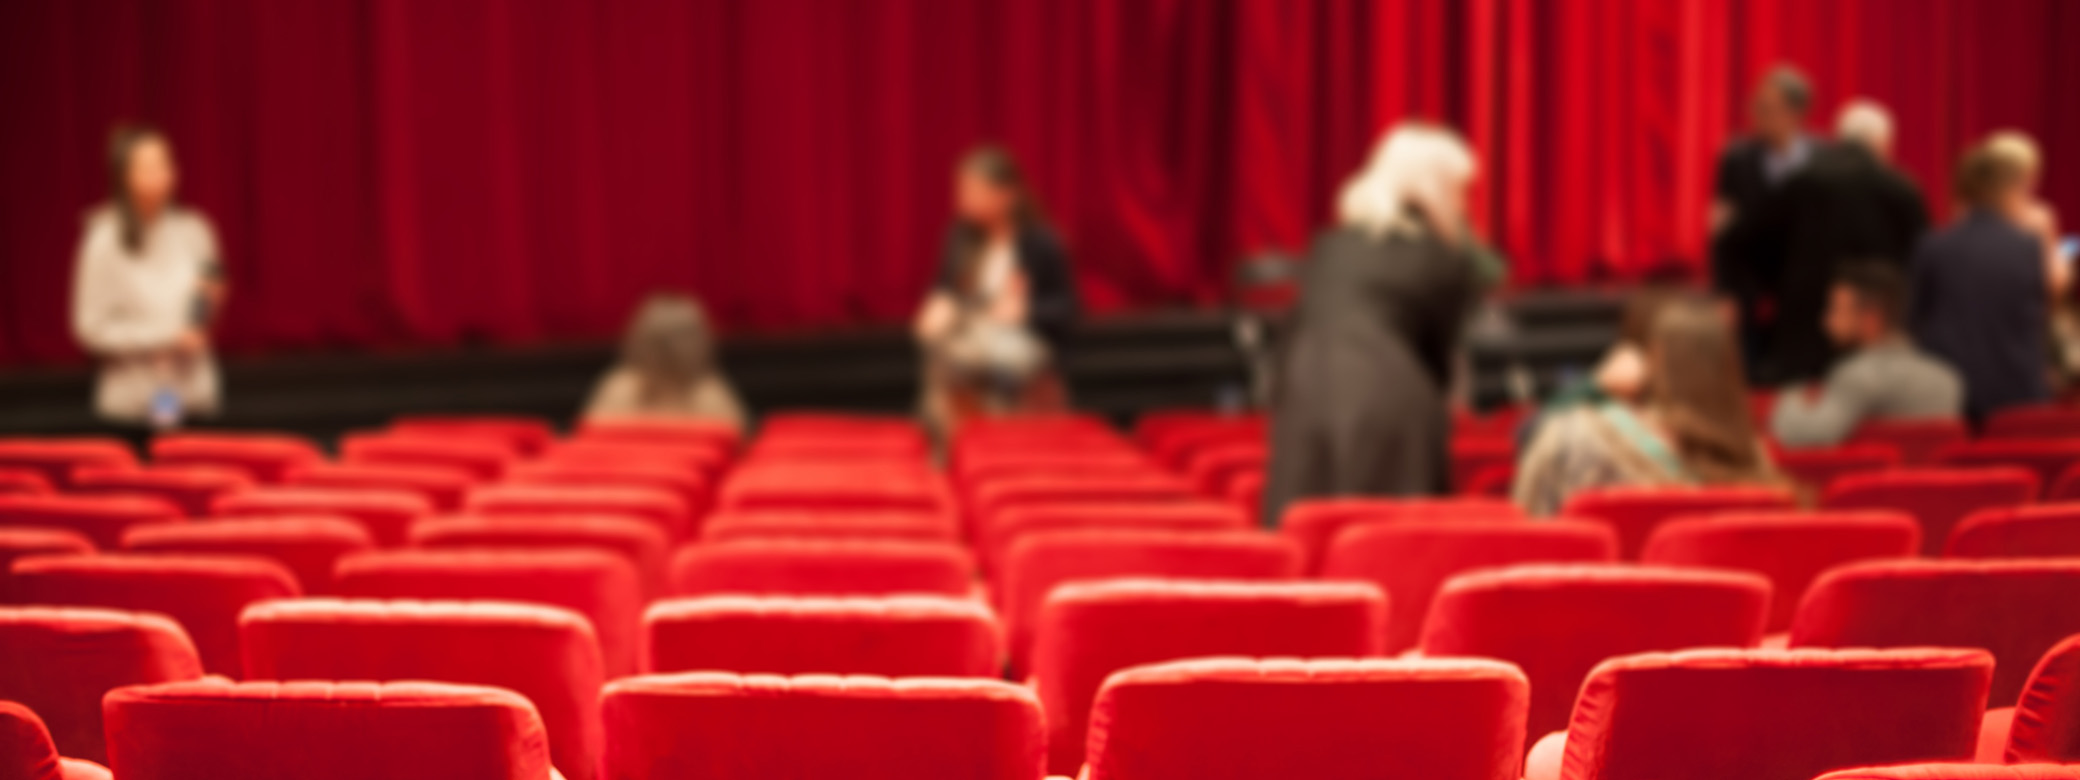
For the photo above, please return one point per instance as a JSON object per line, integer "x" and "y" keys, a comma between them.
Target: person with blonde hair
{"x": 1359, "y": 405}
{"x": 667, "y": 368}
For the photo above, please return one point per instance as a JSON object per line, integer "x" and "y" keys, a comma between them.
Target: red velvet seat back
{"x": 1151, "y": 486}
{"x": 640, "y": 541}
{"x": 2047, "y": 716}
{"x": 55, "y": 458}
{"x": 546, "y": 654}
{"x": 895, "y": 636}
{"x": 487, "y": 461}
{"x": 307, "y": 546}
{"x": 1411, "y": 559}
{"x": 1957, "y": 771}
{"x": 805, "y": 567}
{"x": 717, "y": 725}
{"x": 61, "y": 660}
{"x": 443, "y": 487}
{"x": 387, "y": 514}
{"x": 317, "y": 730}
{"x": 704, "y": 433}
{"x": 26, "y": 752}
{"x": 193, "y": 490}
{"x": 1938, "y": 498}
{"x": 1790, "y": 548}
{"x": 1315, "y": 522}
{"x": 2037, "y": 531}
{"x": 266, "y": 457}
{"x": 1090, "y": 630}
{"x": 101, "y": 519}
{"x": 701, "y": 461}
{"x": 826, "y": 488}
{"x": 525, "y": 435}
{"x": 691, "y": 486}
{"x": 1325, "y": 719}
{"x": 1918, "y": 441}
{"x": 204, "y": 593}
{"x": 1636, "y": 511}
{"x": 2047, "y": 459}
{"x": 602, "y": 586}
{"x": 2017, "y": 609}
{"x": 667, "y": 511}
{"x": 892, "y": 525}
{"x": 17, "y": 479}
{"x": 1818, "y": 468}
{"x": 1000, "y": 532}
{"x": 2040, "y": 421}
{"x": 1559, "y": 621}
{"x": 1773, "y": 715}
{"x": 23, "y": 542}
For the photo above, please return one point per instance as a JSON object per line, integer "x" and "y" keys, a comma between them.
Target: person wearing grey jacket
{"x": 1885, "y": 376}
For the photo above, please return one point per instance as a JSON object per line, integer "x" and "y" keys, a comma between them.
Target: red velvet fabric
{"x": 2045, "y": 421}
{"x": 18, "y": 479}
{"x": 698, "y": 459}
{"x": 442, "y": 486}
{"x": 1773, "y": 714}
{"x": 641, "y": 542}
{"x": 23, "y": 542}
{"x": 1818, "y": 468}
{"x": 999, "y": 495}
{"x": 1090, "y": 630}
{"x": 1918, "y": 440}
{"x": 2046, "y": 727}
{"x": 602, "y": 586}
{"x": 1315, "y": 522}
{"x": 893, "y": 525}
{"x": 690, "y": 433}
{"x": 307, "y": 546}
{"x": 828, "y": 488}
{"x": 387, "y": 514}
{"x": 1790, "y": 548}
{"x": 485, "y": 460}
{"x": 823, "y": 567}
{"x": 717, "y": 725}
{"x": 100, "y": 518}
{"x": 902, "y": 442}
{"x": 2046, "y": 459}
{"x": 1176, "y": 448}
{"x": 1042, "y": 562}
{"x": 2039, "y": 531}
{"x": 1558, "y": 621}
{"x": 1472, "y": 456}
{"x": 1002, "y": 531}
{"x": 1953, "y": 771}
{"x": 546, "y": 654}
{"x": 2067, "y": 488}
{"x": 1321, "y": 719}
{"x": 1636, "y": 511}
{"x": 815, "y": 424}
{"x": 61, "y": 660}
{"x": 192, "y": 489}
{"x": 983, "y": 466}
{"x": 1212, "y": 468}
{"x": 527, "y": 436}
{"x": 2017, "y": 609}
{"x": 1939, "y": 498}
{"x": 204, "y": 593}
{"x": 55, "y": 457}
{"x": 691, "y": 486}
{"x": 667, "y": 510}
{"x": 266, "y": 457}
{"x": 26, "y": 752}
{"x": 893, "y": 636}
{"x": 316, "y": 730}
{"x": 1412, "y": 559}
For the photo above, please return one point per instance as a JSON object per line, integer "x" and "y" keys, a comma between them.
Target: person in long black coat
{"x": 1360, "y": 405}
{"x": 1748, "y": 171}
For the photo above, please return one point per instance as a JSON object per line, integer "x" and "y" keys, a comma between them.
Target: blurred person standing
{"x": 148, "y": 284}
{"x": 667, "y": 368}
{"x": 1750, "y": 168}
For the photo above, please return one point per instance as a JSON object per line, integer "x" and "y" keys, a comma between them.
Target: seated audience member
{"x": 1884, "y": 377}
{"x": 1691, "y": 427}
{"x": 1984, "y": 287}
{"x": 667, "y": 368}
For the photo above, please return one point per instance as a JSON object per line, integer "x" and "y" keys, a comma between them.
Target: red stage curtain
{"x": 400, "y": 173}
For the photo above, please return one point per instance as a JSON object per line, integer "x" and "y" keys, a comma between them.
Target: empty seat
{"x": 827, "y": 489}
{"x": 602, "y": 586}
{"x": 61, "y": 660}
{"x": 313, "y": 730}
{"x": 979, "y": 468}
{"x": 266, "y": 457}
{"x": 1790, "y": 548}
{"x": 1042, "y": 562}
{"x": 22, "y": 480}
{"x": 1818, "y": 468}
{"x": 2041, "y": 531}
{"x": 525, "y": 435}
{"x": 486, "y": 461}
{"x": 1918, "y": 441}
{"x": 24, "y": 542}
{"x": 101, "y": 519}
{"x": 1211, "y": 469}
{"x": 1000, "y": 533}
{"x": 191, "y": 489}
{"x": 2036, "y": 421}
{"x": 718, "y": 725}
{"x": 894, "y": 636}
{"x": 1030, "y": 489}
{"x": 806, "y": 567}
{"x": 442, "y": 486}
{"x": 1635, "y": 511}
{"x": 307, "y": 546}
{"x": 27, "y": 753}
{"x": 2045, "y": 726}
{"x": 689, "y": 485}
{"x": 1472, "y": 455}
{"x": 1938, "y": 498}
{"x": 2017, "y": 609}
{"x": 1411, "y": 559}
{"x": 1315, "y": 522}
{"x": 652, "y": 430}
{"x": 641, "y": 542}
{"x": 1557, "y": 621}
{"x": 1723, "y": 714}
{"x": 1324, "y": 719}
{"x": 204, "y": 593}
{"x": 698, "y": 460}
{"x": 546, "y": 654}
{"x": 2047, "y": 459}
{"x": 1090, "y": 630}
{"x": 668, "y": 511}
{"x": 1957, "y": 771}
{"x": 910, "y": 526}
{"x": 387, "y": 514}
{"x": 55, "y": 458}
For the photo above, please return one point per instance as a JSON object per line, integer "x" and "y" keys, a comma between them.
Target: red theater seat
{"x": 1938, "y": 498}
{"x": 1955, "y": 771}
{"x": 1032, "y": 489}
{"x": 641, "y": 542}
{"x": 2045, "y": 726}
{"x": 602, "y": 586}
{"x": 26, "y": 751}
{"x": 55, "y": 458}
{"x": 2043, "y": 421}
{"x": 2017, "y": 609}
{"x": 982, "y": 467}
{"x": 1315, "y": 522}
{"x": 1818, "y": 468}
{"x": 2039, "y": 531}
{"x": 1090, "y": 630}
{"x": 656, "y": 431}
{"x": 527, "y": 436}
{"x": 387, "y": 514}
{"x": 697, "y": 460}
{"x": 546, "y": 654}
{"x": 204, "y": 593}
{"x": 1411, "y": 559}
{"x": 1635, "y": 511}
{"x": 61, "y": 660}
{"x": 895, "y": 636}
{"x": 1918, "y": 440}
{"x": 1723, "y": 714}
{"x": 719, "y": 725}
{"x": 689, "y": 485}
{"x": 191, "y": 489}
{"x": 23, "y": 481}
{"x": 24, "y": 542}
{"x": 312, "y": 730}
{"x": 442, "y": 486}
{"x": 101, "y": 519}
{"x": 266, "y": 457}
{"x": 1473, "y": 455}
{"x": 1003, "y": 531}
{"x": 1210, "y": 469}
{"x": 1326, "y": 719}
{"x": 1042, "y": 562}
{"x": 900, "y": 526}
{"x": 307, "y": 546}
{"x": 486, "y": 461}
{"x": 823, "y": 489}
{"x": 1790, "y": 548}
{"x": 1558, "y": 621}
{"x": 2045, "y": 458}
{"x": 668, "y": 511}
{"x": 804, "y": 567}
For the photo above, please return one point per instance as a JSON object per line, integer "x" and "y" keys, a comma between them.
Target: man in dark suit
{"x": 1751, "y": 167}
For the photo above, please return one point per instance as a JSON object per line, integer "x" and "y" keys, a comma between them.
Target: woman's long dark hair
{"x": 994, "y": 164}
{"x": 122, "y": 144}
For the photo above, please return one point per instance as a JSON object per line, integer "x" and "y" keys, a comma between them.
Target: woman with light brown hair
{"x": 667, "y": 368}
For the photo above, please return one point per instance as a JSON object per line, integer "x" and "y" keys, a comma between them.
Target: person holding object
{"x": 149, "y": 282}
{"x": 1884, "y": 376}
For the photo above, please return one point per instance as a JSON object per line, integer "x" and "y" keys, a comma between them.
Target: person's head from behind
{"x": 2000, "y": 174}
{"x": 1865, "y": 123}
{"x": 1417, "y": 178}
{"x": 1866, "y": 304}
{"x": 990, "y": 191}
{"x": 668, "y": 346}
{"x": 141, "y": 177}
{"x": 1777, "y": 112}
{"x": 1700, "y": 394}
